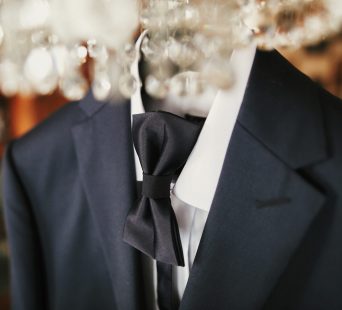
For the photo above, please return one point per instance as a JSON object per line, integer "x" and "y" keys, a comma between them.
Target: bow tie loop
{"x": 156, "y": 186}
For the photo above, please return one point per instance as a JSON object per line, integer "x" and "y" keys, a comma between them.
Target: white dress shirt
{"x": 193, "y": 193}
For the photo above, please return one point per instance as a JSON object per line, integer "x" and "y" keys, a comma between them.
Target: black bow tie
{"x": 163, "y": 143}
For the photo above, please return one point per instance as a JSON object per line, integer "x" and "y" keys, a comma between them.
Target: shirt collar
{"x": 196, "y": 185}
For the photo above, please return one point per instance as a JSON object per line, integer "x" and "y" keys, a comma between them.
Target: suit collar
{"x": 281, "y": 109}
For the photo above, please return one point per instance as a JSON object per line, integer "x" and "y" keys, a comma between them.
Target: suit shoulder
{"x": 297, "y": 79}
{"x": 332, "y": 113}
{"x": 49, "y": 137}
{"x": 333, "y": 103}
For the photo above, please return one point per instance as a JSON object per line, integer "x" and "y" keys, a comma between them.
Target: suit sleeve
{"x": 27, "y": 279}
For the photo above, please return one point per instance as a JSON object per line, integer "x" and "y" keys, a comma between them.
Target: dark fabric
{"x": 163, "y": 142}
{"x": 164, "y": 287}
{"x": 165, "y": 298}
{"x": 70, "y": 183}
{"x": 156, "y": 186}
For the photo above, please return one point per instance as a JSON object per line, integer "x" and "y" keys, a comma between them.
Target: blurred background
{"x": 323, "y": 63}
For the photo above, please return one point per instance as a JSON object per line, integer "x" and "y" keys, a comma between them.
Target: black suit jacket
{"x": 273, "y": 239}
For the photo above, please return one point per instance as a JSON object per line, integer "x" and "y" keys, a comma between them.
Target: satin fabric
{"x": 163, "y": 142}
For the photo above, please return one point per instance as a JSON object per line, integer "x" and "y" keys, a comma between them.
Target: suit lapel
{"x": 262, "y": 206}
{"x": 245, "y": 247}
{"x": 104, "y": 151}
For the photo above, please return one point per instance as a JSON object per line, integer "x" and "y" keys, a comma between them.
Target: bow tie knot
{"x": 156, "y": 186}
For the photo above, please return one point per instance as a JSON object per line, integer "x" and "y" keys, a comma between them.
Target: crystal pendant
{"x": 97, "y": 51}
{"x": 73, "y": 85}
{"x": 191, "y": 17}
{"x": 183, "y": 16}
{"x": 218, "y": 72}
{"x": 150, "y": 19}
{"x": 127, "y": 85}
{"x": 60, "y": 57}
{"x": 261, "y": 23}
{"x": 182, "y": 52}
{"x": 9, "y": 87}
{"x": 129, "y": 54}
{"x": 187, "y": 84}
{"x": 209, "y": 46}
{"x": 40, "y": 38}
{"x": 156, "y": 88}
{"x": 101, "y": 84}
{"x": 40, "y": 71}
{"x": 101, "y": 87}
{"x": 78, "y": 55}
{"x": 174, "y": 19}
{"x": 241, "y": 35}
{"x": 154, "y": 49}
{"x": 145, "y": 19}
{"x": 162, "y": 71}
{"x": 9, "y": 77}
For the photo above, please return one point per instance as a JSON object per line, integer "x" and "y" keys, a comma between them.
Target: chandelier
{"x": 74, "y": 45}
